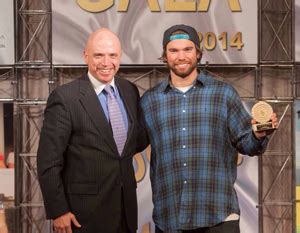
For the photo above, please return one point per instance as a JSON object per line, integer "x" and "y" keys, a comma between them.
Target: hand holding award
{"x": 262, "y": 113}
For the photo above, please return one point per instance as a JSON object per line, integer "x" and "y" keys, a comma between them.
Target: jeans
{"x": 224, "y": 227}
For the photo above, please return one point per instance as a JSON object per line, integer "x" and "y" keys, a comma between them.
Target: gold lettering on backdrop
{"x": 237, "y": 41}
{"x": 141, "y": 164}
{"x": 204, "y": 5}
{"x": 141, "y": 167}
{"x": 123, "y": 6}
{"x": 234, "y": 5}
{"x": 170, "y": 5}
{"x": 146, "y": 228}
{"x": 223, "y": 39}
{"x": 95, "y": 6}
{"x": 154, "y": 6}
{"x": 173, "y": 5}
{"x": 208, "y": 41}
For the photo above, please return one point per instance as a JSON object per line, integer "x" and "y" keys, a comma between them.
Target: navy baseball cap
{"x": 191, "y": 34}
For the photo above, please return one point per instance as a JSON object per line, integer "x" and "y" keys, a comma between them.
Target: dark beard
{"x": 183, "y": 74}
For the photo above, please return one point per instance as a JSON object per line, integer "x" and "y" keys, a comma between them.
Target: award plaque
{"x": 262, "y": 112}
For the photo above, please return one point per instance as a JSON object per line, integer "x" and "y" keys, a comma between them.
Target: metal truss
{"x": 276, "y": 82}
{"x": 32, "y": 72}
{"x": 144, "y": 77}
{"x": 296, "y": 81}
{"x": 7, "y": 84}
{"x": 30, "y": 211}
{"x": 276, "y": 31}
{"x": 276, "y": 178}
{"x": 275, "y": 79}
{"x": 242, "y": 78}
{"x": 32, "y": 29}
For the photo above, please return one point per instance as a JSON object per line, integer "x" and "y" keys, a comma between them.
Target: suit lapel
{"x": 93, "y": 108}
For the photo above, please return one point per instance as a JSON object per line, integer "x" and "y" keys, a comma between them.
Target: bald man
{"x": 90, "y": 133}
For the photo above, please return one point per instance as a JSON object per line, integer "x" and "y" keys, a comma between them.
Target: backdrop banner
{"x": 297, "y": 30}
{"x": 297, "y": 146}
{"x": 246, "y": 186}
{"x": 227, "y": 28}
{"x": 7, "y": 182}
{"x": 7, "y": 36}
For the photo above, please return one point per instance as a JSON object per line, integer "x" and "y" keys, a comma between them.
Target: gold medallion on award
{"x": 262, "y": 113}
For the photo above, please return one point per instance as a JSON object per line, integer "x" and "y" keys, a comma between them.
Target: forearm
{"x": 54, "y": 139}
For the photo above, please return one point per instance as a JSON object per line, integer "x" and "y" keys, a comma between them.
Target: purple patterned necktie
{"x": 116, "y": 119}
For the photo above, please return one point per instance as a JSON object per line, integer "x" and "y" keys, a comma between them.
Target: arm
{"x": 262, "y": 134}
{"x": 243, "y": 138}
{"x": 50, "y": 159}
{"x": 142, "y": 138}
{"x": 50, "y": 162}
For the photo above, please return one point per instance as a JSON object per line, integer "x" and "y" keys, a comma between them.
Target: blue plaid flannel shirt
{"x": 195, "y": 138}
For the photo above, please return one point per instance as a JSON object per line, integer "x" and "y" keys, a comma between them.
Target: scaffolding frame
{"x": 255, "y": 82}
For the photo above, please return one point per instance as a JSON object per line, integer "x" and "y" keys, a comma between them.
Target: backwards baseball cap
{"x": 191, "y": 34}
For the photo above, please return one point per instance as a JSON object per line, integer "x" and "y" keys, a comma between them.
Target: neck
{"x": 183, "y": 82}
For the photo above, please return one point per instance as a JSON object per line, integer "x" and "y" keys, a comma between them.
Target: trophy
{"x": 262, "y": 112}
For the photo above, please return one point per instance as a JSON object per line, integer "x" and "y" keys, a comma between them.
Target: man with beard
{"x": 196, "y": 126}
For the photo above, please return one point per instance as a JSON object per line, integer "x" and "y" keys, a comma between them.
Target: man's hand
{"x": 262, "y": 134}
{"x": 63, "y": 223}
{"x": 3, "y": 226}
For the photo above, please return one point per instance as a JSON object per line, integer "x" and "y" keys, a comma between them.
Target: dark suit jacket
{"x": 79, "y": 168}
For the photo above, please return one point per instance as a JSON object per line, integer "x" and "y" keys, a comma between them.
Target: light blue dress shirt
{"x": 99, "y": 87}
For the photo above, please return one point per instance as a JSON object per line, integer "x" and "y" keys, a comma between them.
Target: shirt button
{"x": 185, "y": 182}
{"x": 184, "y": 146}
{"x": 184, "y": 96}
{"x": 183, "y": 110}
{"x": 184, "y": 164}
{"x": 183, "y": 129}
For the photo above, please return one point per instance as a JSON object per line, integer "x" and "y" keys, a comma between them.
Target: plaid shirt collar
{"x": 200, "y": 81}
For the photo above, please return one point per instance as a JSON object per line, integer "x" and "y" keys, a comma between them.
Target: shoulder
{"x": 154, "y": 91}
{"x": 67, "y": 92}
{"x": 69, "y": 87}
{"x": 219, "y": 86}
{"x": 127, "y": 86}
{"x": 122, "y": 82}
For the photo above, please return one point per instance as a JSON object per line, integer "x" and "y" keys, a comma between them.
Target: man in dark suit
{"x": 84, "y": 157}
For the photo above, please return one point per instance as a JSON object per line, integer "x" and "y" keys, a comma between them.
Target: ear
{"x": 85, "y": 56}
{"x": 199, "y": 56}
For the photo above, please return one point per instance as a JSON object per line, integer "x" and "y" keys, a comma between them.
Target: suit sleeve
{"x": 54, "y": 138}
{"x": 142, "y": 139}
